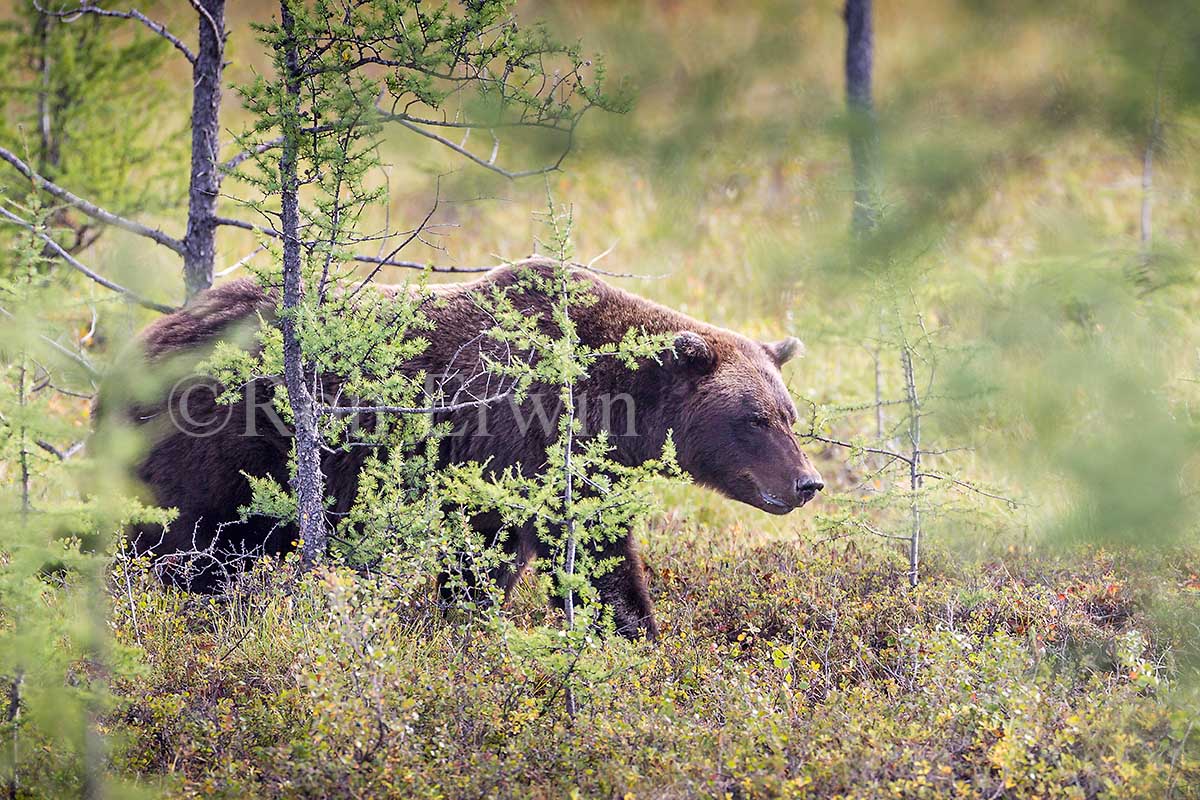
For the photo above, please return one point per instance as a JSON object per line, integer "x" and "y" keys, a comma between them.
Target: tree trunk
{"x": 309, "y": 483}
{"x": 207, "y": 72}
{"x": 48, "y": 152}
{"x": 861, "y": 113}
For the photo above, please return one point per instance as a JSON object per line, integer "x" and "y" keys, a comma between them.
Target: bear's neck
{"x": 657, "y": 401}
{"x": 616, "y": 311}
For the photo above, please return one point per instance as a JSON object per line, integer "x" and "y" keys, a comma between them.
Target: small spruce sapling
{"x": 583, "y": 499}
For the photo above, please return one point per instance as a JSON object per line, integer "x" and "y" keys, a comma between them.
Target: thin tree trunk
{"x": 1152, "y": 145}
{"x": 569, "y": 565}
{"x": 860, "y": 107}
{"x": 1146, "y": 232}
{"x": 12, "y": 716}
{"x": 309, "y": 482}
{"x": 22, "y": 399}
{"x": 878, "y": 355}
{"x": 569, "y": 494}
{"x": 47, "y": 153}
{"x": 914, "y": 463}
{"x": 207, "y": 71}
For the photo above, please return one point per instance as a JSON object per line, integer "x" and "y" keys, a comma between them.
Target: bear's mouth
{"x": 746, "y": 489}
{"x": 773, "y": 504}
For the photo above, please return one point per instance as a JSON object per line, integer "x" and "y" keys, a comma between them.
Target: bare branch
{"x": 520, "y": 262}
{"x": 241, "y": 262}
{"x": 230, "y": 222}
{"x": 91, "y": 209}
{"x": 393, "y": 116}
{"x": 908, "y": 460}
{"x": 345, "y": 411}
{"x": 385, "y": 261}
{"x": 212, "y": 23}
{"x": 414, "y": 234}
{"x": 58, "y": 250}
{"x": 393, "y": 262}
{"x": 72, "y": 261}
{"x": 365, "y": 259}
{"x": 484, "y": 162}
{"x": 409, "y": 120}
{"x": 60, "y": 454}
{"x": 851, "y": 446}
{"x": 271, "y": 144}
{"x": 157, "y": 27}
{"x": 971, "y": 487}
{"x": 603, "y": 255}
{"x": 866, "y": 526}
{"x": 73, "y": 393}
{"x": 245, "y": 155}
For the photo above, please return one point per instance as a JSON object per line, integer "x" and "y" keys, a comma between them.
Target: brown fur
{"x": 721, "y": 394}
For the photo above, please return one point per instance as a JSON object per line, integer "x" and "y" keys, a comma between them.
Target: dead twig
{"x": 92, "y": 210}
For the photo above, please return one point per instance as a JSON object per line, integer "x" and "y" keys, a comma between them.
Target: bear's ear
{"x": 784, "y": 350}
{"x": 694, "y": 351}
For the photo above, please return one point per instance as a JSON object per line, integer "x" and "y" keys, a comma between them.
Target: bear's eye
{"x": 760, "y": 421}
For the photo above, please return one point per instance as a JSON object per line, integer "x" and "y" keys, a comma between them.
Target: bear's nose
{"x": 808, "y": 485}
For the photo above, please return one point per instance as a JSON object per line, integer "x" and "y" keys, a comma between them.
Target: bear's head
{"x": 733, "y": 425}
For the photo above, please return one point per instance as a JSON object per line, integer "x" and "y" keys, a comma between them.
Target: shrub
{"x": 785, "y": 670}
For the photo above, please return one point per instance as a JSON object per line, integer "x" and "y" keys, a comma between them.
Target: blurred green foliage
{"x": 82, "y": 107}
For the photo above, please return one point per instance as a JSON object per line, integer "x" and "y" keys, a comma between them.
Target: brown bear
{"x": 720, "y": 393}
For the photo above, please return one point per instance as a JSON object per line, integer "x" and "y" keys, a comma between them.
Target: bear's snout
{"x": 798, "y": 492}
{"x": 807, "y": 486}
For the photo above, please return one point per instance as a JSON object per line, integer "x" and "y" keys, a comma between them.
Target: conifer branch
{"x": 70, "y": 15}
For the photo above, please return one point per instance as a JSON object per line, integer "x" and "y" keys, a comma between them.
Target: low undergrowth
{"x": 787, "y": 669}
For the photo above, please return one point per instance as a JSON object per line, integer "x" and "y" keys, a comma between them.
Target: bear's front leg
{"x": 464, "y": 585}
{"x": 623, "y": 589}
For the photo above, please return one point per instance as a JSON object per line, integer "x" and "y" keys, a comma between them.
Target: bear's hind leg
{"x": 623, "y": 589}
